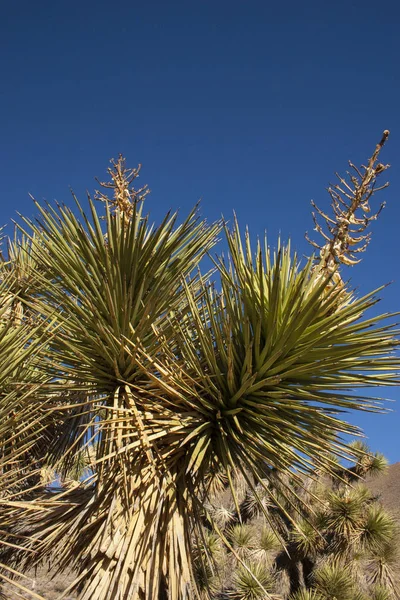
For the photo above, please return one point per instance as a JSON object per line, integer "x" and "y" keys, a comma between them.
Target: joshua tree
{"x": 180, "y": 384}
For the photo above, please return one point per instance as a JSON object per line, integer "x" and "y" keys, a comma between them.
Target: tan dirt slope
{"x": 387, "y": 487}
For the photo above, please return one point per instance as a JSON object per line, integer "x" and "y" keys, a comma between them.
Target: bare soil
{"x": 43, "y": 584}
{"x": 387, "y": 487}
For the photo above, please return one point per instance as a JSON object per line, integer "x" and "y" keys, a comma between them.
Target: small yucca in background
{"x": 334, "y": 580}
{"x": 253, "y": 581}
{"x": 304, "y": 594}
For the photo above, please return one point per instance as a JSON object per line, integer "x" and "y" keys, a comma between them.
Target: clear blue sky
{"x": 249, "y": 105}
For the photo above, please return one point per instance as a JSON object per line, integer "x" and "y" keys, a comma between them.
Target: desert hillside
{"x": 387, "y": 486}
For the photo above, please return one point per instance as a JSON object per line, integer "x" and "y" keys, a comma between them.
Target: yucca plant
{"x": 334, "y": 581}
{"x": 177, "y": 381}
{"x": 243, "y": 539}
{"x": 268, "y": 352}
{"x": 255, "y": 502}
{"x": 112, "y": 288}
{"x": 344, "y": 518}
{"x": 382, "y": 567}
{"x": 268, "y": 542}
{"x": 221, "y": 515}
{"x": 309, "y": 537}
{"x": 306, "y": 594}
{"x": 253, "y": 582}
{"x": 22, "y": 432}
{"x": 378, "y": 530}
{"x": 368, "y": 463}
{"x": 381, "y": 593}
{"x": 209, "y": 558}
